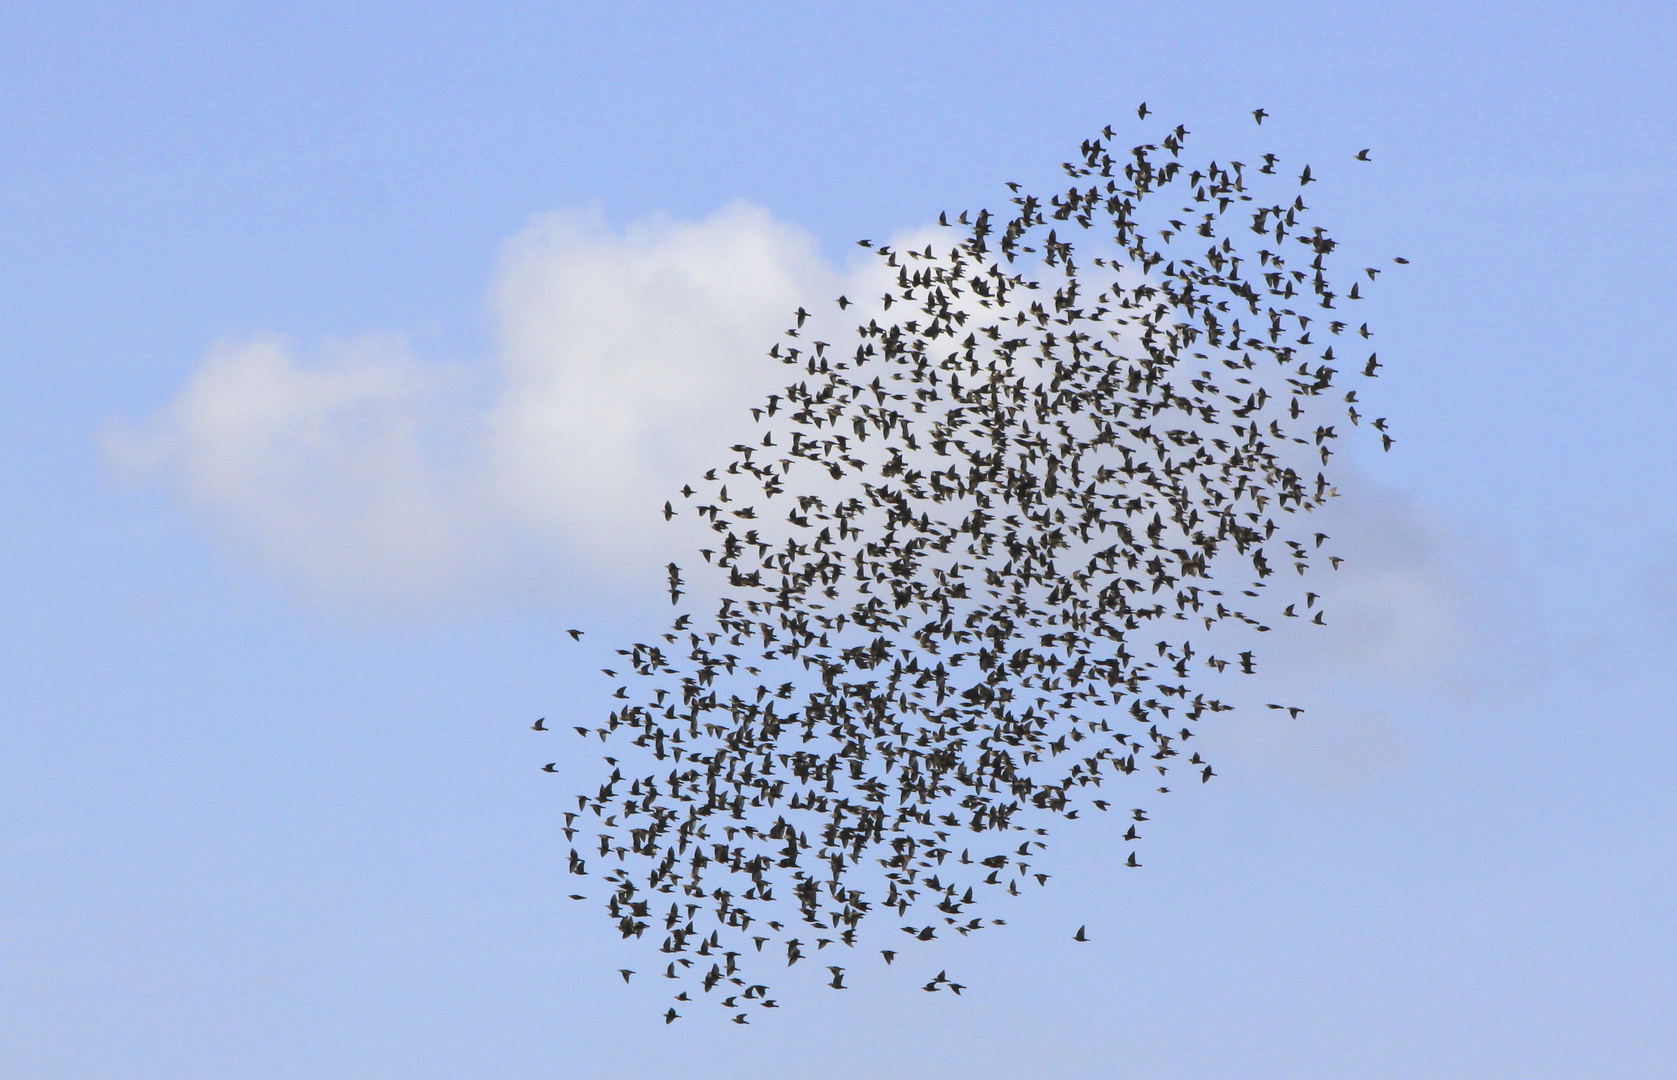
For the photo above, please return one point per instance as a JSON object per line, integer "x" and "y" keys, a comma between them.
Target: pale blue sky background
{"x": 250, "y": 829}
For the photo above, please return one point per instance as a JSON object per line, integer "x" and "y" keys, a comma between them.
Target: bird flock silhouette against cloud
{"x": 973, "y": 569}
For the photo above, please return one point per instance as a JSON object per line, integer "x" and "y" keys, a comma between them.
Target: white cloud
{"x": 621, "y": 363}
{"x": 328, "y": 469}
{"x": 626, "y": 361}
{"x": 1398, "y": 607}
{"x": 1339, "y": 747}
{"x": 1415, "y": 623}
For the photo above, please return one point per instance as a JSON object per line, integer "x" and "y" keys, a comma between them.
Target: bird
{"x": 576, "y": 635}
{"x": 625, "y": 972}
{"x": 538, "y": 725}
{"x": 947, "y": 596}
{"x": 552, "y": 766}
{"x": 672, "y": 1016}
{"x": 1362, "y": 155}
{"x": 1141, "y": 111}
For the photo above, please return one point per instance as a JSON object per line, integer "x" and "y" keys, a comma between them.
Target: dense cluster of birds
{"x": 960, "y": 577}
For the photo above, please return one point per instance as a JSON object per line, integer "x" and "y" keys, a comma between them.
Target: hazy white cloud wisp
{"x": 622, "y": 361}
{"x": 623, "y": 364}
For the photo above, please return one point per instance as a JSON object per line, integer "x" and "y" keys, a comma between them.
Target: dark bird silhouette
{"x": 576, "y": 635}
{"x": 1362, "y": 155}
{"x": 1258, "y": 115}
{"x": 1080, "y": 935}
{"x": 539, "y": 725}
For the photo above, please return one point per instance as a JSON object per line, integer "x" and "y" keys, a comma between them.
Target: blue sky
{"x": 269, "y": 806}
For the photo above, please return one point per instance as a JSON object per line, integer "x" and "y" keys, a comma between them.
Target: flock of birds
{"x": 966, "y": 580}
